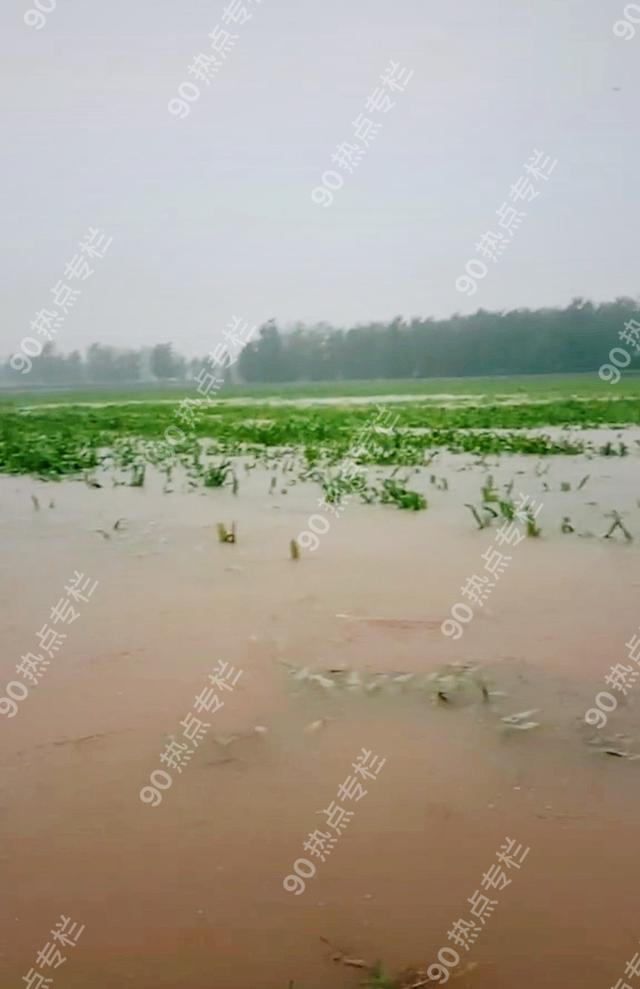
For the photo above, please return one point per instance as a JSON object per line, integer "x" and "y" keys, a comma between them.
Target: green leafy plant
{"x": 338, "y": 487}
{"x": 489, "y": 492}
{"x": 485, "y": 520}
{"x": 137, "y": 476}
{"x": 397, "y": 494}
{"x": 378, "y": 978}
{"x": 532, "y": 529}
{"x": 507, "y": 509}
{"x": 215, "y": 477}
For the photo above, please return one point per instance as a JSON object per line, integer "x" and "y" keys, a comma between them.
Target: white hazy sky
{"x": 211, "y": 216}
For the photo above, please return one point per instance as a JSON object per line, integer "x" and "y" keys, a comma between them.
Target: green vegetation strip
{"x": 69, "y": 440}
{"x": 482, "y": 389}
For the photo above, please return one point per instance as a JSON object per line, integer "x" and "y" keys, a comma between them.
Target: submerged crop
{"x": 69, "y": 440}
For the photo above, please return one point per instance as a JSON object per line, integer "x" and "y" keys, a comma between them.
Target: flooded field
{"x": 320, "y": 496}
{"x": 340, "y": 650}
{"x": 446, "y": 399}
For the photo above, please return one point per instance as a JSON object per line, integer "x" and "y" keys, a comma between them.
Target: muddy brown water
{"x": 189, "y": 894}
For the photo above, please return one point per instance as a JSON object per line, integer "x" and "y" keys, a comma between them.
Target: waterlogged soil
{"x": 189, "y": 894}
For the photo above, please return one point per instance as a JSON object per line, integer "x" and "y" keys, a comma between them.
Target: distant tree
{"x": 101, "y": 363}
{"x": 194, "y": 366}
{"x": 128, "y": 365}
{"x": 73, "y": 368}
{"x": 165, "y": 363}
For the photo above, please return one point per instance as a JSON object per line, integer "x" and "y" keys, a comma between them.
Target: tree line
{"x": 103, "y": 364}
{"x": 521, "y": 341}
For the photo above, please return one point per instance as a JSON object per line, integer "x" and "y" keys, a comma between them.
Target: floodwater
{"x": 190, "y": 893}
{"x": 441, "y": 399}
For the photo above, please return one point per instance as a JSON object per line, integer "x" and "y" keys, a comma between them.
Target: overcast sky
{"x": 212, "y": 216}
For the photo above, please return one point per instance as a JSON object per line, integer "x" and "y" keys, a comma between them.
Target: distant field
{"x": 533, "y": 386}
